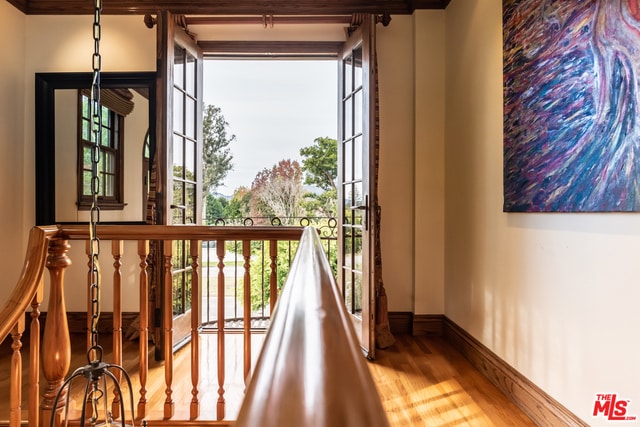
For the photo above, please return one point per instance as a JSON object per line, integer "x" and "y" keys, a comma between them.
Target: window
{"x": 110, "y": 166}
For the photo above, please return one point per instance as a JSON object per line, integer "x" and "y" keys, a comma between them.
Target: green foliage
{"x": 216, "y": 154}
{"x": 216, "y": 208}
{"x": 320, "y": 163}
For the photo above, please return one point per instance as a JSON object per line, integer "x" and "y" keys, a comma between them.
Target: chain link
{"x": 95, "y": 112}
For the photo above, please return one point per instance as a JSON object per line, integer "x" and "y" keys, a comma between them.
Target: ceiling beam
{"x": 228, "y": 7}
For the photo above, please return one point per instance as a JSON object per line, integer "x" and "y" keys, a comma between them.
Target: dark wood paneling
{"x": 230, "y": 7}
{"x": 270, "y": 49}
{"x": 19, "y": 4}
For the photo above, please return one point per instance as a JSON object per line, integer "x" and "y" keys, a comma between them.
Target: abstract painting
{"x": 571, "y": 104}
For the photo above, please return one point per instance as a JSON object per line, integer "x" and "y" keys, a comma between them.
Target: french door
{"x": 181, "y": 117}
{"x": 356, "y": 176}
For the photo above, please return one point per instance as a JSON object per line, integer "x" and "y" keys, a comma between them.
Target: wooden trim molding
{"x": 77, "y": 321}
{"x": 427, "y": 324}
{"x": 229, "y": 7}
{"x": 531, "y": 399}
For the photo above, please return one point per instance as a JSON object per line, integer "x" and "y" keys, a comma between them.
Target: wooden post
{"x": 56, "y": 344}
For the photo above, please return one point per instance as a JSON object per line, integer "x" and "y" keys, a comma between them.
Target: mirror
{"x": 58, "y": 128}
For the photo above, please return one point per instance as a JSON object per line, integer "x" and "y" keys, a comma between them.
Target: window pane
{"x": 178, "y": 193}
{"x": 357, "y": 251}
{"x": 105, "y": 137}
{"x": 86, "y": 183}
{"x": 357, "y": 290}
{"x": 86, "y": 157}
{"x": 348, "y": 289}
{"x": 109, "y": 185}
{"x": 178, "y": 301}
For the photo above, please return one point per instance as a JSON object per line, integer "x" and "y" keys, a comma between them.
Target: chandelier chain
{"x": 96, "y": 131}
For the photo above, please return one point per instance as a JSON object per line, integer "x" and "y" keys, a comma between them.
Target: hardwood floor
{"x": 422, "y": 381}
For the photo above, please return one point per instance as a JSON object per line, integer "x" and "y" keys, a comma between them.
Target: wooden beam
{"x": 270, "y": 49}
{"x": 229, "y": 7}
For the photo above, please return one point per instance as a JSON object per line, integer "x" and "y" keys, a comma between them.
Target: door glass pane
{"x": 348, "y": 75}
{"x": 190, "y": 160}
{"x": 178, "y": 67}
{"x": 357, "y": 290}
{"x": 178, "y": 254}
{"x": 348, "y": 118}
{"x": 190, "y": 202}
{"x": 178, "y": 156}
{"x": 178, "y": 300}
{"x": 348, "y": 160}
{"x": 357, "y": 72}
{"x": 348, "y": 290}
{"x": 358, "y": 199}
{"x": 178, "y": 111}
{"x": 190, "y": 118}
{"x": 357, "y": 158}
{"x": 190, "y": 87}
{"x": 357, "y": 112}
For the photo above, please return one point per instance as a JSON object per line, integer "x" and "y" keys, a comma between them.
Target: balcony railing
{"x": 49, "y": 246}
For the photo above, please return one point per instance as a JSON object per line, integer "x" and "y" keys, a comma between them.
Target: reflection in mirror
{"x": 128, "y": 101}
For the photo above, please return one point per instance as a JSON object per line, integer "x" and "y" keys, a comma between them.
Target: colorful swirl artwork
{"x": 571, "y": 104}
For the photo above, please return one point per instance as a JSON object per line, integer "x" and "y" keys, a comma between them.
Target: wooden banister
{"x": 311, "y": 371}
{"x": 48, "y": 247}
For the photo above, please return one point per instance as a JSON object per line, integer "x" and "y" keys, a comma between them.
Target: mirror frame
{"x": 46, "y": 85}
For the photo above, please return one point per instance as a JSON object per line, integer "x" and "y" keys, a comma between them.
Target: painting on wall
{"x": 571, "y": 104}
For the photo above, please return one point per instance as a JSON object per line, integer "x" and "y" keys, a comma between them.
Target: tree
{"x": 216, "y": 208}
{"x": 278, "y": 191}
{"x": 239, "y": 205}
{"x": 216, "y": 155}
{"x": 320, "y": 163}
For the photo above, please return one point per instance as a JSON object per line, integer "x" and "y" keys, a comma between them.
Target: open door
{"x": 356, "y": 176}
{"x": 180, "y": 160}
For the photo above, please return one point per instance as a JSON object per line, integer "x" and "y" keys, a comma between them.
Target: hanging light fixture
{"x": 96, "y": 399}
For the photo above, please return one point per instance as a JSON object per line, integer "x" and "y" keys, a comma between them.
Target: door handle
{"x": 365, "y": 208}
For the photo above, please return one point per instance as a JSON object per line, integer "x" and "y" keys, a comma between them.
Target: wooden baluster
{"x": 15, "y": 392}
{"x": 246, "y": 254}
{"x": 56, "y": 344}
{"x": 273, "y": 278}
{"x": 34, "y": 358}
{"x": 169, "y": 404}
{"x": 220, "y": 407}
{"x": 116, "y": 252}
{"x": 143, "y": 252}
{"x": 195, "y": 324}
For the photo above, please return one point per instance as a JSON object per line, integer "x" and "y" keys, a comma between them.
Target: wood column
{"x": 56, "y": 344}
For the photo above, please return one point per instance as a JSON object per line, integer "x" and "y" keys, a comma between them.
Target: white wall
{"x": 554, "y": 295}
{"x": 12, "y": 118}
{"x": 64, "y": 43}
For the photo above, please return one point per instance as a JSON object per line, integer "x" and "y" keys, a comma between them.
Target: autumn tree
{"x": 278, "y": 191}
{"x": 216, "y": 154}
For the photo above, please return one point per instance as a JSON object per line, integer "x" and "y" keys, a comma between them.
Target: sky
{"x": 273, "y": 107}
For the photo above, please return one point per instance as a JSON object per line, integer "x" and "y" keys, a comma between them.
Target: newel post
{"x": 56, "y": 344}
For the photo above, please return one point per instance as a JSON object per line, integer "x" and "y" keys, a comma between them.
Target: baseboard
{"x": 531, "y": 399}
{"x": 400, "y": 322}
{"x": 427, "y": 324}
{"x": 77, "y": 321}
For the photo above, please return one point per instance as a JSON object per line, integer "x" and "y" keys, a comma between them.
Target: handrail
{"x": 29, "y": 280}
{"x": 179, "y": 232}
{"x": 311, "y": 371}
